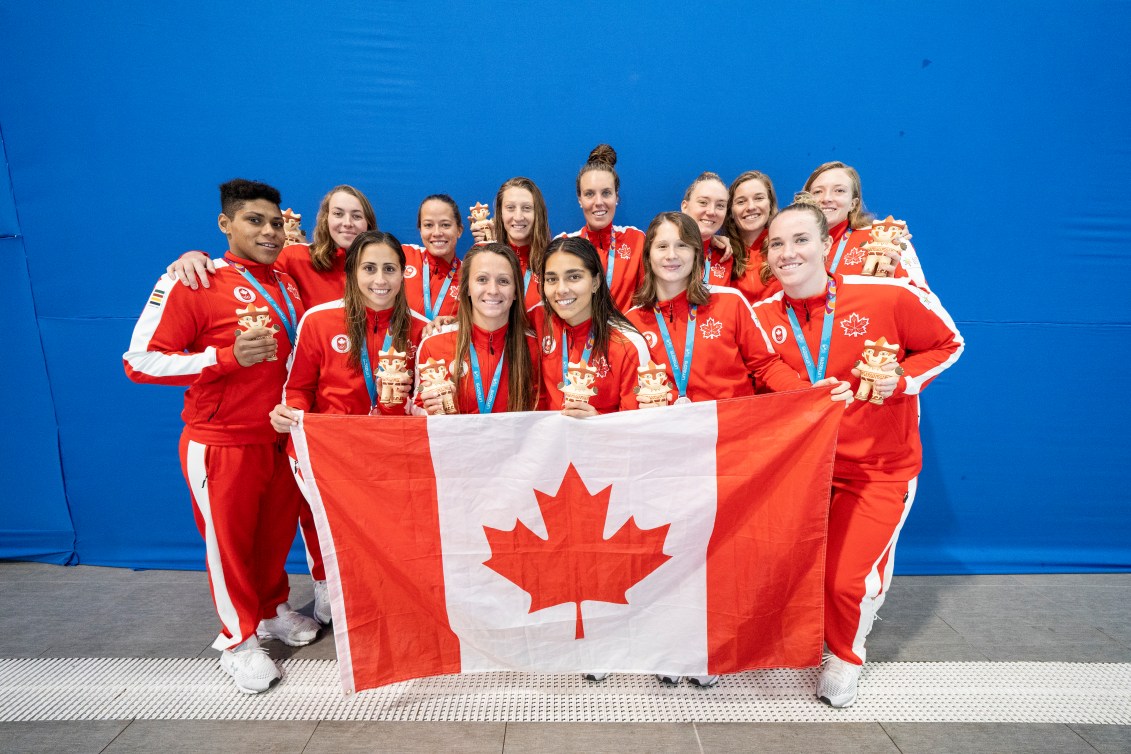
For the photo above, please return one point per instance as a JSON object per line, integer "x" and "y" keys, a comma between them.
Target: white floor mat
{"x": 196, "y": 689}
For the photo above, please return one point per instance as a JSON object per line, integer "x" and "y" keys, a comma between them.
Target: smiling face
{"x": 569, "y": 287}
{"x": 440, "y": 228}
{"x": 796, "y": 253}
{"x": 672, "y": 260}
{"x": 255, "y": 231}
{"x": 517, "y": 213}
{"x": 707, "y": 206}
{"x": 379, "y": 276}
{"x": 491, "y": 288}
{"x": 345, "y": 218}
{"x": 834, "y": 192}
{"x": 750, "y": 208}
{"x": 598, "y": 198}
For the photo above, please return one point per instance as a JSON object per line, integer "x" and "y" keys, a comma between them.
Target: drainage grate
{"x": 196, "y": 689}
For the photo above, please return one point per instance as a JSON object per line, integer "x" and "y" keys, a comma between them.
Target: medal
{"x": 816, "y": 372}
{"x": 682, "y": 373}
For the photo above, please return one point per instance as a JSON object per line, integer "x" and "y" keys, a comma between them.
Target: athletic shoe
{"x": 703, "y": 681}
{"x": 836, "y": 686}
{"x": 289, "y": 627}
{"x": 322, "y": 602}
{"x": 595, "y": 677}
{"x": 668, "y": 680}
{"x": 249, "y": 666}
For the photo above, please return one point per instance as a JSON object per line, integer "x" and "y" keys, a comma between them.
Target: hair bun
{"x": 805, "y": 199}
{"x": 605, "y": 154}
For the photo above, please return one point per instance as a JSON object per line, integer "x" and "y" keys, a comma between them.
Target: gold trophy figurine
{"x": 577, "y": 387}
{"x": 292, "y": 226}
{"x": 876, "y": 354}
{"x": 884, "y": 247}
{"x": 652, "y": 388}
{"x": 395, "y": 381}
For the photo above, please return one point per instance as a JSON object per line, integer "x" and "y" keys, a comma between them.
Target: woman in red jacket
{"x": 521, "y": 222}
{"x": 618, "y": 246}
{"x": 753, "y": 203}
{"x": 824, "y": 324}
{"x": 580, "y": 327}
{"x": 836, "y": 188}
{"x": 432, "y": 271}
{"x": 706, "y": 202}
{"x": 338, "y": 351}
{"x": 318, "y": 269}
{"x": 498, "y": 356}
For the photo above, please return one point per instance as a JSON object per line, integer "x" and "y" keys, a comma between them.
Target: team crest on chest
{"x": 340, "y": 343}
{"x": 717, "y": 270}
{"x": 293, "y": 290}
{"x": 778, "y": 334}
{"x": 409, "y": 271}
{"x": 624, "y": 251}
{"x": 651, "y": 338}
{"x": 854, "y": 325}
{"x": 548, "y": 344}
{"x": 601, "y": 366}
{"x": 711, "y": 328}
{"x": 854, "y": 257}
{"x": 244, "y": 295}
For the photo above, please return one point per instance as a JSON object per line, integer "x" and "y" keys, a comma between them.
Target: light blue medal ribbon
{"x": 612, "y": 255}
{"x": 840, "y": 249}
{"x": 289, "y": 323}
{"x": 367, "y": 368}
{"x": 525, "y": 283}
{"x": 707, "y": 265}
{"x": 432, "y": 308}
{"x": 682, "y": 373}
{"x": 485, "y": 406}
{"x": 565, "y": 352}
{"x": 816, "y": 373}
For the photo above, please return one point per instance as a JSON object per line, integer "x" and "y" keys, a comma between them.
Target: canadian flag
{"x": 685, "y": 540}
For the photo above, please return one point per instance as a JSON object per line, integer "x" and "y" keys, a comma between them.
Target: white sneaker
{"x": 289, "y": 627}
{"x": 322, "y": 602}
{"x": 249, "y": 666}
{"x": 703, "y": 681}
{"x": 837, "y": 683}
{"x": 668, "y": 680}
{"x": 595, "y": 677}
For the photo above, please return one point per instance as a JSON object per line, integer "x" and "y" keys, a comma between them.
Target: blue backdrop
{"x": 998, "y": 132}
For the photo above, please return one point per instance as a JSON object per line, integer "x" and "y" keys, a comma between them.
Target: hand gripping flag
{"x": 686, "y": 540}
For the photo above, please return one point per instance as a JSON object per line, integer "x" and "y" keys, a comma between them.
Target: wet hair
{"x": 239, "y": 191}
{"x": 730, "y": 225}
{"x": 539, "y": 234}
{"x": 604, "y": 313}
{"x": 603, "y": 157}
{"x": 323, "y": 248}
{"x": 697, "y": 291}
{"x": 355, "y": 304}
{"x": 522, "y": 387}
{"x": 439, "y": 198}
{"x": 858, "y": 216}
{"x": 706, "y": 175}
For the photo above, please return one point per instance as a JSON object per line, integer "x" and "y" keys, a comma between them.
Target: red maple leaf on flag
{"x": 575, "y": 562}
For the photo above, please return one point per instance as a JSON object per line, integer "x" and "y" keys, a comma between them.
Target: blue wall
{"x": 1000, "y": 135}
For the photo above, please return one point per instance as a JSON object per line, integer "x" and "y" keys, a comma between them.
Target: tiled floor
{"x": 52, "y": 611}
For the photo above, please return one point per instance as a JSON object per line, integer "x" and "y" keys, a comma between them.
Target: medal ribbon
{"x": 612, "y": 255}
{"x": 525, "y": 283}
{"x": 289, "y": 323}
{"x": 485, "y": 406}
{"x": 565, "y": 351}
{"x": 432, "y": 308}
{"x": 367, "y": 368}
{"x": 682, "y": 373}
{"x": 707, "y": 265}
{"x": 840, "y": 249}
{"x": 816, "y": 373}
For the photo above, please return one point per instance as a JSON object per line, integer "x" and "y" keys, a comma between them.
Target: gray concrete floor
{"x": 52, "y": 611}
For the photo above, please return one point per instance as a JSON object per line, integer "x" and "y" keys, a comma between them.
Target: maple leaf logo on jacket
{"x": 854, "y": 325}
{"x": 624, "y": 251}
{"x": 855, "y": 256}
{"x": 711, "y": 329}
{"x": 575, "y": 563}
